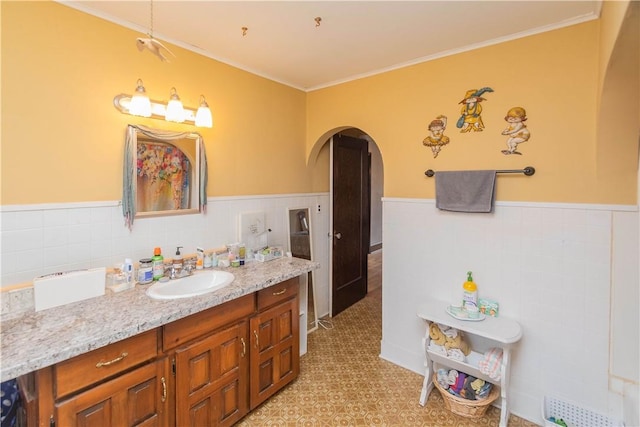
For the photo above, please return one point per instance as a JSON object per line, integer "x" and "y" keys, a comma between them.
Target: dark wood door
{"x": 212, "y": 379}
{"x": 350, "y": 221}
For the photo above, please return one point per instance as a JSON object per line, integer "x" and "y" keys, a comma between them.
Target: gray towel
{"x": 465, "y": 191}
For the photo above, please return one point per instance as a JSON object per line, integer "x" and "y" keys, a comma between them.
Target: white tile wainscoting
{"x": 550, "y": 266}
{"x": 558, "y": 269}
{"x": 43, "y": 239}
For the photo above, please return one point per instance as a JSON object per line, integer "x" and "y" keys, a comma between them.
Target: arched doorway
{"x": 374, "y": 191}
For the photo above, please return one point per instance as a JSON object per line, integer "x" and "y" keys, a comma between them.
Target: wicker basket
{"x": 466, "y": 407}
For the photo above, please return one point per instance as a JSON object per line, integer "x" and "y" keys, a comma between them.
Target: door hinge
{"x": 173, "y": 366}
{"x": 52, "y": 422}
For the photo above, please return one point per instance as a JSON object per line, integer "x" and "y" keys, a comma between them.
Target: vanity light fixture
{"x": 140, "y": 105}
{"x": 175, "y": 110}
{"x": 203, "y": 115}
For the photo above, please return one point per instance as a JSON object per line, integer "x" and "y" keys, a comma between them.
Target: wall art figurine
{"x": 516, "y": 130}
{"x": 437, "y": 139}
{"x": 471, "y": 112}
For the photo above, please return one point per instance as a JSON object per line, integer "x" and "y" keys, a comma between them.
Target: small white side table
{"x": 501, "y": 332}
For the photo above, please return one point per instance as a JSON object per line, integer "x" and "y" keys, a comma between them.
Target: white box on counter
{"x": 53, "y": 290}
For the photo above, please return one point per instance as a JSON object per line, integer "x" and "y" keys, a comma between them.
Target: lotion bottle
{"x": 469, "y": 293}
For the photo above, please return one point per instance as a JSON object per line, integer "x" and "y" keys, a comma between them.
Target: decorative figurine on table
{"x": 437, "y": 139}
{"x": 516, "y": 130}
{"x": 470, "y": 114}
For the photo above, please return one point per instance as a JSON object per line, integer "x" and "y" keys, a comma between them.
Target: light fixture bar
{"x": 158, "y": 109}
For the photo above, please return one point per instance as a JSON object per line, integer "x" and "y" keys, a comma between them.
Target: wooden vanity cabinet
{"x": 137, "y": 398}
{"x": 275, "y": 341}
{"x": 124, "y": 384}
{"x": 207, "y": 369}
{"x": 212, "y": 379}
{"x": 212, "y": 368}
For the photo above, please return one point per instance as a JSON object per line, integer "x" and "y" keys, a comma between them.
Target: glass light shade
{"x": 175, "y": 110}
{"x": 140, "y": 104}
{"x": 203, "y": 115}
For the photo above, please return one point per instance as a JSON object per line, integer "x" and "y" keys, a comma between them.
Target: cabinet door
{"x": 275, "y": 350}
{"x": 137, "y": 398}
{"x": 212, "y": 379}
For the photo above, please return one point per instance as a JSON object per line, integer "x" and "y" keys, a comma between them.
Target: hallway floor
{"x": 344, "y": 382}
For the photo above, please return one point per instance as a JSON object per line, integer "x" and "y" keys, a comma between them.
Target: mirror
{"x": 300, "y": 247}
{"x": 165, "y": 173}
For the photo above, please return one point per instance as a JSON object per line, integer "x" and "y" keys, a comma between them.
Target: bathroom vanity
{"x": 125, "y": 359}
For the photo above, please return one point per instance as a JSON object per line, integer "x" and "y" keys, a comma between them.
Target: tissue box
{"x": 58, "y": 289}
{"x": 488, "y": 307}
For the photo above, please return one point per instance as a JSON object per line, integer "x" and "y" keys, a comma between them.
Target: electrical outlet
{"x": 319, "y": 210}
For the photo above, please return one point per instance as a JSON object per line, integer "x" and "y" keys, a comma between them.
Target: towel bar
{"x": 528, "y": 171}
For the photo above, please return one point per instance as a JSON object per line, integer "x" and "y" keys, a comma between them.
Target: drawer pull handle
{"x": 275, "y": 294}
{"x": 164, "y": 389}
{"x": 111, "y": 362}
{"x": 244, "y": 347}
{"x": 255, "y": 334}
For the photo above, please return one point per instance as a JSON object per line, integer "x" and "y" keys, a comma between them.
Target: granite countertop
{"x": 36, "y": 340}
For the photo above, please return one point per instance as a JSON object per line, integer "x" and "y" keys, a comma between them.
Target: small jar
{"x": 145, "y": 271}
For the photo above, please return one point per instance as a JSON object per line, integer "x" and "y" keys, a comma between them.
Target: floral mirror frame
{"x": 165, "y": 173}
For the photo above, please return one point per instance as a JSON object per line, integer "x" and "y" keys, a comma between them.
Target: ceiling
{"x": 284, "y": 43}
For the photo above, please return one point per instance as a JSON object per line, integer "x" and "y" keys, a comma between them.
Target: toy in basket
{"x": 466, "y": 407}
{"x": 558, "y": 412}
{"x": 267, "y": 254}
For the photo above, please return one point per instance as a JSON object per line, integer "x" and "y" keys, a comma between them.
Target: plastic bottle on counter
{"x": 242, "y": 252}
{"x": 208, "y": 260}
{"x": 199, "y": 258}
{"x": 469, "y": 293}
{"x": 177, "y": 260}
{"x": 158, "y": 264}
{"x": 127, "y": 269}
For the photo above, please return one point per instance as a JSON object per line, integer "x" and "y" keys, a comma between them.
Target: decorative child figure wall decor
{"x": 516, "y": 130}
{"x": 470, "y": 114}
{"x": 437, "y": 139}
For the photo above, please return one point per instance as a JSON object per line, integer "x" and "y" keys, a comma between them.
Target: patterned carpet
{"x": 343, "y": 382}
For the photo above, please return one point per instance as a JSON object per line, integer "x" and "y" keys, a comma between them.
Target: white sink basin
{"x": 199, "y": 283}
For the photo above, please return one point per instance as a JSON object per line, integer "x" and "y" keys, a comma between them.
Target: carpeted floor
{"x": 344, "y": 382}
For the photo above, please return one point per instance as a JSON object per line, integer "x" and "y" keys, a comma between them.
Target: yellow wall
{"x": 63, "y": 140}
{"x": 612, "y": 17}
{"x": 618, "y": 116}
{"x": 553, "y": 75}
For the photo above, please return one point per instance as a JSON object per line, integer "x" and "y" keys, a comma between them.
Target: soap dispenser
{"x": 177, "y": 260}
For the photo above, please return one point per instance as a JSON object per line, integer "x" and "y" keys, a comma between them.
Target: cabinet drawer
{"x": 276, "y": 293}
{"x": 86, "y": 369}
{"x": 183, "y": 330}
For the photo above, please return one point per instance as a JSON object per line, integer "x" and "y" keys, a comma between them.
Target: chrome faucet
{"x": 187, "y": 269}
